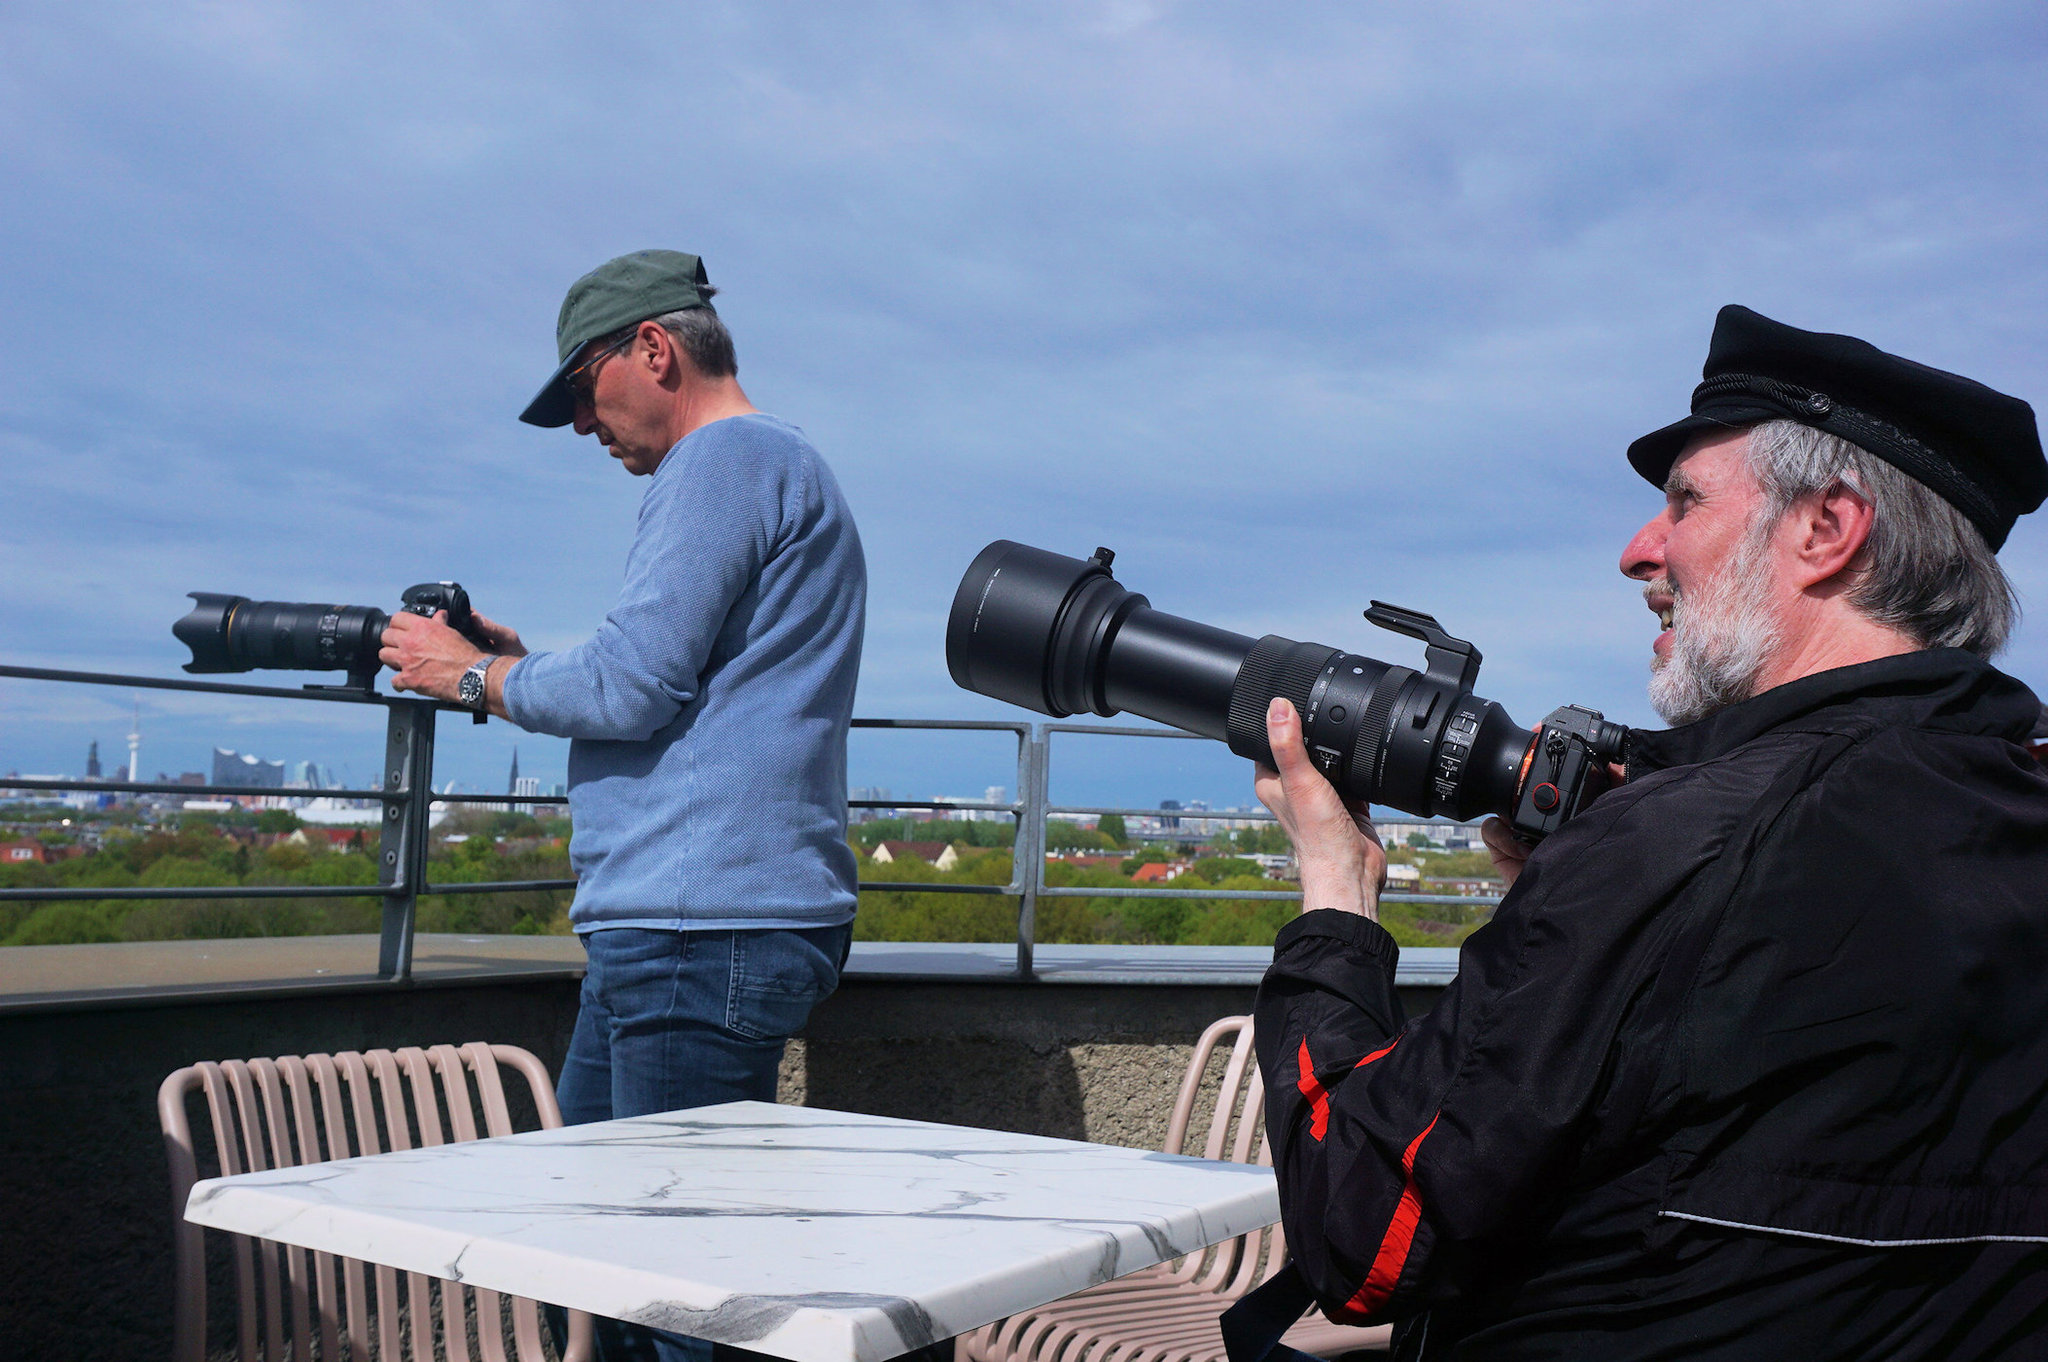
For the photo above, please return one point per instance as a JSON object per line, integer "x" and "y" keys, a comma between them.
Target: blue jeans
{"x": 671, "y": 1020}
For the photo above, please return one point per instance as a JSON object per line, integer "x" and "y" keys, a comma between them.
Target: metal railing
{"x": 406, "y": 792}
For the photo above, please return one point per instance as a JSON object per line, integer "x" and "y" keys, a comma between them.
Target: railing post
{"x": 1027, "y": 875}
{"x": 402, "y": 850}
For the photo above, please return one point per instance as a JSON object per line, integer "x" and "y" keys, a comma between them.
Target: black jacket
{"x": 1752, "y": 1061}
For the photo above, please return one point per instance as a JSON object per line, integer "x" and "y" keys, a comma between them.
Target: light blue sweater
{"x": 708, "y": 715}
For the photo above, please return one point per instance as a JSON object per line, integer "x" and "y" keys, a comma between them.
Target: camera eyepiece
{"x": 1059, "y": 635}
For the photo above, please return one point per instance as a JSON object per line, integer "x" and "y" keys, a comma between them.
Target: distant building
{"x": 938, "y": 855}
{"x": 526, "y": 786}
{"x": 1442, "y": 833}
{"x": 1276, "y": 864}
{"x": 92, "y": 761}
{"x": 240, "y": 768}
{"x": 339, "y": 839}
{"x": 512, "y": 780}
{"x": 19, "y": 853}
{"x": 1472, "y": 885}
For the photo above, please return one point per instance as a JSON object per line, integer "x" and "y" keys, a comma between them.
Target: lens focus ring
{"x": 1250, "y": 696}
{"x": 1275, "y": 666}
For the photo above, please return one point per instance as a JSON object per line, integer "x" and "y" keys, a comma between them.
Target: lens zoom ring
{"x": 1252, "y": 693}
{"x": 1372, "y": 733}
{"x": 1299, "y": 668}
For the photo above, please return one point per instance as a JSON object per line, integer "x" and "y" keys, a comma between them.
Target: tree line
{"x": 252, "y": 850}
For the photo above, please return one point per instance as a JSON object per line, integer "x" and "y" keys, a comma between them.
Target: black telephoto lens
{"x": 1060, "y": 636}
{"x": 236, "y": 634}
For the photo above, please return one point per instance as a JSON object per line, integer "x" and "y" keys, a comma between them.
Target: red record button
{"x": 1545, "y": 797}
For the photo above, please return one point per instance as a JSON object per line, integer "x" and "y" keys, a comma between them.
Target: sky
{"x": 1294, "y": 307}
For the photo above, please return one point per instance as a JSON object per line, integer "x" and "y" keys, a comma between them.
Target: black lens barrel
{"x": 1173, "y": 670}
{"x": 236, "y": 634}
{"x": 1059, "y": 635}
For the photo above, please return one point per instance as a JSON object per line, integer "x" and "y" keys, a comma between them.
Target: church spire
{"x": 512, "y": 781}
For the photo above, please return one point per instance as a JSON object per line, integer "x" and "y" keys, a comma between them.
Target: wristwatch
{"x": 470, "y": 689}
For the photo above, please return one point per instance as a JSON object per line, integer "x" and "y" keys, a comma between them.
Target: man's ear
{"x": 657, "y": 349}
{"x": 1830, "y": 529}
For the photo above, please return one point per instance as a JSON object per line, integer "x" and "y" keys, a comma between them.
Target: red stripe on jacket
{"x": 1400, "y": 1238}
{"x": 1318, "y": 1100}
{"x": 1387, "y": 1049}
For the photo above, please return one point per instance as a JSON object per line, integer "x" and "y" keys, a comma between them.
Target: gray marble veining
{"x": 814, "y": 1235}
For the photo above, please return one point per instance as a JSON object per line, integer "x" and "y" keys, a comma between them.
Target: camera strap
{"x": 1252, "y": 1327}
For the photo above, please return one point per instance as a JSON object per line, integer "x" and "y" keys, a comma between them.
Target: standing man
{"x": 1752, "y": 1061}
{"x": 707, "y": 715}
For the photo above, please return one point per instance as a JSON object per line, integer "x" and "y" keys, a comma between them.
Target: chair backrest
{"x": 1235, "y": 1132}
{"x": 277, "y": 1113}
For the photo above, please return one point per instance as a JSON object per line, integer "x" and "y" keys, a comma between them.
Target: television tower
{"x": 135, "y": 743}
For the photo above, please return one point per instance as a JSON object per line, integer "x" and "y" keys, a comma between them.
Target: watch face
{"x": 472, "y": 688}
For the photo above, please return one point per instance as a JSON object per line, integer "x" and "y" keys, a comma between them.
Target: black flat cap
{"x": 1977, "y": 448}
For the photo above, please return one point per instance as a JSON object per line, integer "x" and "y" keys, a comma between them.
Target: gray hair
{"x": 1928, "y": 572}
{"x": 703, "y": 338}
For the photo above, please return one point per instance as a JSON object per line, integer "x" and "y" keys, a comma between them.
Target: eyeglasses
{"x": 582, "y": 380}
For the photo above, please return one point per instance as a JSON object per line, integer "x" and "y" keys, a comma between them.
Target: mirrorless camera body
{"x": 236, "y": 634}
{"x": 1060, "y": 636}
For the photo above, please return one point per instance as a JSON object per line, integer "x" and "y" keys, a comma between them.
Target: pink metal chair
{"x": 1169, "y": 1313}
{"x": 298, "y": 1305}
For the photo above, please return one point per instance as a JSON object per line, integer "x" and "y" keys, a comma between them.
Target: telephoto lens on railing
{"x": 236, "y": 634}
{"x": 1060, "y": 636}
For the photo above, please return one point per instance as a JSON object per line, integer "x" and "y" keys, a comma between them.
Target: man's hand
{"x": 500, "y": 638}
{"x": 428, "y": 656}
{"x": 1342, "y": 863}
{"x": 1509, "y": 852}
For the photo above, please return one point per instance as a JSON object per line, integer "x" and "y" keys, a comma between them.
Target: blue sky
{"x": 1295, "y": 307}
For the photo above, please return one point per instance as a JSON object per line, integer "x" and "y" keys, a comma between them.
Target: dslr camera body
{"x": 1059, "y": 635}
{"x": 236, "y": 634}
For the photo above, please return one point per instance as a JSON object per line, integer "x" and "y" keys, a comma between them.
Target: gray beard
{"x": 1723, "y": 639}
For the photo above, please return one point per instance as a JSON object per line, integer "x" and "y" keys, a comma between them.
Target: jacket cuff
{"x": 1361, "y": 934}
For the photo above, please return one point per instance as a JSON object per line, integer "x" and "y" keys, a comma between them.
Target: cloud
{"x": 1295, "y": 308}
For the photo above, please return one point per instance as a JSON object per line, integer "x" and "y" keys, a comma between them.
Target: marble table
{"x": 815, "y": 1235}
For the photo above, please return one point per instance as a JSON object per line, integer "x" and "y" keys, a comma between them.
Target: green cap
{"x": 610, "y": 298}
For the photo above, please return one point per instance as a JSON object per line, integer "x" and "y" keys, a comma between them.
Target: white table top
{"x": 815, "y": 1235}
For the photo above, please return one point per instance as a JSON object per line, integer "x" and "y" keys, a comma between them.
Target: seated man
{"x": 1752, "y": 1061}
